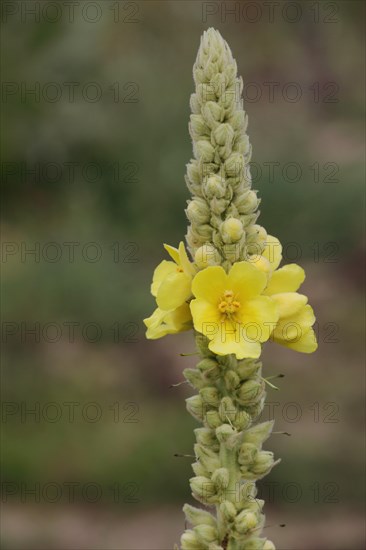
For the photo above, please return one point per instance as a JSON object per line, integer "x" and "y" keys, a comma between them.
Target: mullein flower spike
{"x": 235, "y": 297}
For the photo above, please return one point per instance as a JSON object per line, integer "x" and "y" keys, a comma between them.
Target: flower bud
{"x": 213, "y": 419}
{"x": 230, "y": 98}
{"x": 202, "y": 345}
{"x": 256, "y": 409}
{"x": 214, "y": 186}
{"x": 247, "y": 221}
{"x": 247, "y": 454}
{"x": 194, "y": 377}
{"x": 207, "y": 255}
{"x": 206, "y": 533}
{"x": 250, "y": 391}
{"x": 243, "y": 147}
{"x": 235, "y": 167}
{"x": 259, "y": 433}
{"x": 204, "y": 150}
{"x": 263, "y": 463}
{"x": 221, "y": 478}
{"x": 248, "y": 492}
{"x": 212, "y": 113}
{"x": 198, "y": 211}
{"x": 206, "y": 364}
{"x": 219, "y": 83}
{"x": 202, "y": 487}
{"x": 232, "y": 252}
{"x": 231, "y": 230}
{"x": 190, "y": 541}
{"x": 218, "y": 206}
{"x": 224, "y": 432}
{"x": 228, "y": 510}
{"x": 242, "y": 420}
{"x": 245, "y": 521}
{"x": 206, "y": 92}
{"x": 210, "y": 395}
{"x": 198, "y": 127}
{"x": 193, "y": 172}
{"x": 195, "y": 407}
{"x": 199, "y": 470}
{"x": 204, "y": 231}
{"x": 205, "y": 436}
{"x": 193, "y": 240}
{"x": 195, "y": 104}
{"x": 197, "y": 516}
{"x": 238, "y": 120}
{"x": 248, "y": 367}
{"x": 256, "y": 239}
{"x": 210, "y": 69}
{"x": 247, "y": 203}
{"x": 227, "y": 409}
{"x": 232, "y": 380}
{"x": 207, "y": 457}
{"x": 223, "y": 134}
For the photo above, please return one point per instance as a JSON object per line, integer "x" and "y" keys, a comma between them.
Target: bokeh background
{"x": 93, "y": 163}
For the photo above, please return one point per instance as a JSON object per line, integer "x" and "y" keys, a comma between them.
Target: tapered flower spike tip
{"x": 224, "y": 208}
{"x": 213, "y": 49}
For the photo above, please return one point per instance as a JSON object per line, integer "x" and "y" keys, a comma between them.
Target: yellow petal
{"x": 174, "y": 290}
{"x": 245, "y": 280}
{"x": 273, "y": 251}
{"x": 286, "y": 279}
{"x": 163, "y": 269}
{"x": 181, "y": 318}
{"x": 229, "y": 338}
{"x": 209, "y": 284}
{"x": 161, "y": 323}
{"x": 261, "y": 263}
{"x": 173, "y": 252}
{"x": 154, "y": 319}
{"x": 155, "y": 328}
{"x": 258, "y": 317}
{"x": 294, "y": 327}
{"x": 184, "y": 262}
{"x": 306, "y": 344}
{"x": 206, "y": 317}
{"x": 289, "y": 303}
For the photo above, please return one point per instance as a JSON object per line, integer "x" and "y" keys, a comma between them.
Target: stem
{"x": 228, "y": 460}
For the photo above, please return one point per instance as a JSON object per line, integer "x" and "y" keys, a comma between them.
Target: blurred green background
{"x": 93, "y": 164}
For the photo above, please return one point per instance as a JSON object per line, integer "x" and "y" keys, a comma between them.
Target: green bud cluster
{"x": 228, "y": 450}
{"x": 223, "y": 210}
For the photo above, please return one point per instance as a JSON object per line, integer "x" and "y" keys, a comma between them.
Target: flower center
{"x": 179, "y": 269}
{"x": 228, "y": 304}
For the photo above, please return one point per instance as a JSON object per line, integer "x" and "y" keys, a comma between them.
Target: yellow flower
{"x": 293, "y": 329}
{"x": 171, "y": 287}
{"x": 161, "y": 323}
{"x": 172, "y": 280}
{"x": 229, "y": 310}
{"x": 296, "y": 319}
